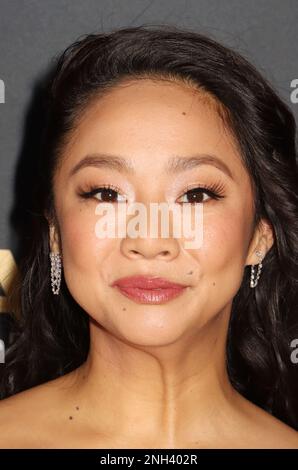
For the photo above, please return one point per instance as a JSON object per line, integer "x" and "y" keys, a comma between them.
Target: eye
{"x": 105, "y": 193}
{"x": 196, "y": 194}
{"x": 108, "y": 193}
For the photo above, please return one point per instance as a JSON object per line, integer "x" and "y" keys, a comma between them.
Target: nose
{"x": 159, "y": 248}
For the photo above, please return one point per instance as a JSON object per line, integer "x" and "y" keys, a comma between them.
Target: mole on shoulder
{"x": 77, "y": 408}
{"x": 70, "y": 417}
{"x": 124, "y": 308}
{"x": 190, "y": 272}
{"x": 184, "y": 113}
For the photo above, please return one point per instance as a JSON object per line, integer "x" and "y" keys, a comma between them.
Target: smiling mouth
{"x": 151, "y": 296}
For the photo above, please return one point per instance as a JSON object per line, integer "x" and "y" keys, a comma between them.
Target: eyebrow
{"x": 174, "y": 165}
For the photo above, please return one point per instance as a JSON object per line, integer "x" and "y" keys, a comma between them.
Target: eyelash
{"x": 214, "y": 191}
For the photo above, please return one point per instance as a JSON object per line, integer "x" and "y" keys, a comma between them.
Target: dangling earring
{"x": 55, "y": 272}
{"x": 254, "y": 281}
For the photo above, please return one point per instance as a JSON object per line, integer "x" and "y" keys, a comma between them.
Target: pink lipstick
{"x": 149, "y": 290}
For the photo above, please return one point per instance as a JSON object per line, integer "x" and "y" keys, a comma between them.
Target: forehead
{"x": 150, "y": 120}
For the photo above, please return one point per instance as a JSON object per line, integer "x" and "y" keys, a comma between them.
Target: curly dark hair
{"x": 51, "y": 334}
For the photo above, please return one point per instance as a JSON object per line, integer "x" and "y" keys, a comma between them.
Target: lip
{"x": 148, "y": 289}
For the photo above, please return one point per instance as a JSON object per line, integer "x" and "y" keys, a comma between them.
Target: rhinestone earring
{"x": 55, "y": 272}
{"x": 254, "y": 280}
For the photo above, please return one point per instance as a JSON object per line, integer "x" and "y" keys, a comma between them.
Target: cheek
{"x": 83, "y": 251}
{"x": 225, "y": 239}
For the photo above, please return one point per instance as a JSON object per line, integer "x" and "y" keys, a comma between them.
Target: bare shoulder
{"x": 263, "y": 430}
{"x": 40, "y": 417}
{"x": 30, "y": 416}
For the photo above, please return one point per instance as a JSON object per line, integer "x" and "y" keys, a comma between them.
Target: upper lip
{"x": 147, "y": 282}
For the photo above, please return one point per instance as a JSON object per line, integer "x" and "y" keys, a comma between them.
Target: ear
{"x": 262, "y": 241}
{"x": 54, "y": 239}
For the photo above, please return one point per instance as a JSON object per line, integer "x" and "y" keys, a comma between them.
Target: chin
{"x": 145, "y": 334}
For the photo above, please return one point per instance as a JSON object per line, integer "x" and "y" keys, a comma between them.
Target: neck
{"x": 169, "y": 394}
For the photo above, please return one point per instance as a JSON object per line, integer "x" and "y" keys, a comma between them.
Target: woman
{"x": 193, "y": 350}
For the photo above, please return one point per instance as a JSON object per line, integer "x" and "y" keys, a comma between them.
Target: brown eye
{"x": 103, "y": 194}
{"x": 107, "y": 195}
{"x": 195, "y": 195}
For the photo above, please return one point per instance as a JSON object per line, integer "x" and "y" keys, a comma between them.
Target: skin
{"x": 155, "y": 376}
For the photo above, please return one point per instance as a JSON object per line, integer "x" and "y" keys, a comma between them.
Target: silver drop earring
{"x": 55, "y": 272}
{"x": 254, "y": 280}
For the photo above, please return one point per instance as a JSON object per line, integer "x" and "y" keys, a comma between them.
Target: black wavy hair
{"x": 51, "y": 333}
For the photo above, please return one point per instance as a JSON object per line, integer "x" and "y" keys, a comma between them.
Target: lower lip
{"x": 153, "y": 296}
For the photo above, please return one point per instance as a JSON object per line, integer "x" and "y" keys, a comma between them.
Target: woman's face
{"x": 147, "y": 123}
